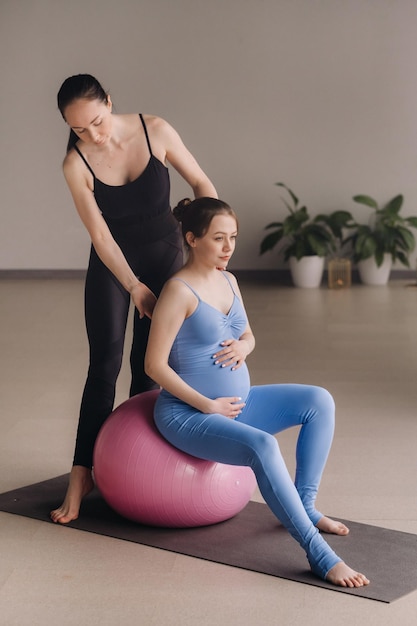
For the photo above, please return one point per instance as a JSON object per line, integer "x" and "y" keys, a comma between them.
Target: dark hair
{"x": 80, "y": 86}
{"x": 195, "y": 215}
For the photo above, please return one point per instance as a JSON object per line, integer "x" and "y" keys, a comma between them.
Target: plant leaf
{"x": 273, "y": 225}
{"x": 336, "y": 221}
{"x": 270, "y": 241}
{"x": 292, "y": 194}
{"x": 393, "y": 207}
{"x": 379, "y": 257}
{"x": 367, "y": 200}
{"x": 403, "y": 258}
{"x": 365, "y": 245}
{"x": 412, "y": 221}
{"x": 407, "y": 238}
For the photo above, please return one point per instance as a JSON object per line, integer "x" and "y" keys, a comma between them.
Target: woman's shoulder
{"x": 234, "y": 283}
{"x": 70, "y": 158}
{"x": 177, "y": 284}
{"x": 177, "y": 298}
{"x": 154, "y": 121}
{"x": 159, "y": 128}
{"x": 181, "y": 288}
{"x": 73, "y": 165}
{"x": 230, "y": 277}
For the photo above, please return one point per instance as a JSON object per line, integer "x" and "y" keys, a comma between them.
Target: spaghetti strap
{"x": 146, "y": 133}
{"x": 196, "y": 294}
{"x": 189, "y": 287}
{"x": 85, "y": 161}
{"x": 228, "y": 280}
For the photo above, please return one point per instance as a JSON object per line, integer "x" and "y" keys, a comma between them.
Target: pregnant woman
{"x": 198, "y": 343}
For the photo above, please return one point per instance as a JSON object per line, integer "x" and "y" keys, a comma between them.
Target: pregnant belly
{"x": 216, "y": 382}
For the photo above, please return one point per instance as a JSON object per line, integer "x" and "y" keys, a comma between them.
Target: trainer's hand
{"x": 229, "y": 407}
{"x": 144, "y": 299}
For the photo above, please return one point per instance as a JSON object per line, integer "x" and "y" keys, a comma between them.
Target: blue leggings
{"x": 249, "y": 440}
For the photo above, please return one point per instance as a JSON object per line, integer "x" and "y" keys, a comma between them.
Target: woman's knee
{"x": 105, "y": 366}
{"x": 324, "y": 405}
{"x": 327, "y": 403}
{"x": 265, "y": 446}
{"x": 324, "y": 399}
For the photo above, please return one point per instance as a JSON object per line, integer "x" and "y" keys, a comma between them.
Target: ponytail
{"x": 72, "y": 140}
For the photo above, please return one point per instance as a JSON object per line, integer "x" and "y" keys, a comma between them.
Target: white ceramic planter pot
{"x": 371, "y": 274}
{"x": 307, "y": 271}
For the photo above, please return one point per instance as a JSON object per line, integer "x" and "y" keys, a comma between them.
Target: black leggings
{"x": 106, "y": 311}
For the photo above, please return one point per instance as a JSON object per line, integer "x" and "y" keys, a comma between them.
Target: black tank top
{"x": 139, "y": 210}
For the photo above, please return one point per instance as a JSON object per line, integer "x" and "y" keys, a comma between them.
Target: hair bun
{"x": 180, "y": 209}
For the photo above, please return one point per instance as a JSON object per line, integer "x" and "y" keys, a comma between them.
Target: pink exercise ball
{"x": 144, "y": 478}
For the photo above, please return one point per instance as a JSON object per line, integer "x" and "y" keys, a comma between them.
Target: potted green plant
{"x": 385, "y": 239}
{"x": 305, "y": 241}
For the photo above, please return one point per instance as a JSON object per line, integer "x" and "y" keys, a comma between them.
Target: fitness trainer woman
{"x": 116, "y": 170}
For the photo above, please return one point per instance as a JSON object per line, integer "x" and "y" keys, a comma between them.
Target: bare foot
{"x": 343, "y": 576}
{"x": 327, "y": 525}
{"x": 80, "y": 484}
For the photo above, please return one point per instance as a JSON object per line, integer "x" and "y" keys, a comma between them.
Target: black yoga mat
{"x": 252, "y": 540}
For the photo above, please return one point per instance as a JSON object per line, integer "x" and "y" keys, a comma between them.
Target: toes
{"x": 327, "y": 525}
{"x": 344, "y": 576}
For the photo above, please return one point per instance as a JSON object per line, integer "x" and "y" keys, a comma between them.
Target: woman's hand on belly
{"x": 233, "y": 354}
{"x": 228, "y": 406}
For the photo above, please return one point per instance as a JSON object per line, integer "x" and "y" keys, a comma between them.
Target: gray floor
{"x": 360, "y": 343}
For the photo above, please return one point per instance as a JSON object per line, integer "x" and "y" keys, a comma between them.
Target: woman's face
{"x": 217, "y": 245}
{"x": 91, "y": 120}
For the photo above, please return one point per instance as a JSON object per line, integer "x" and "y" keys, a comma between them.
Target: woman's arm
{"x": 168, "y": 145}
{"x": 175, "y": 303}
{"x": 101, "y": 237}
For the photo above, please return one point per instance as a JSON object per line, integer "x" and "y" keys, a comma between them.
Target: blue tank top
{"x": 198, "y": 339}
{"x": 140, "y": 209}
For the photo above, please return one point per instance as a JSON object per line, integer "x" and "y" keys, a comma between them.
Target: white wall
{"x": 320, "y": 94}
